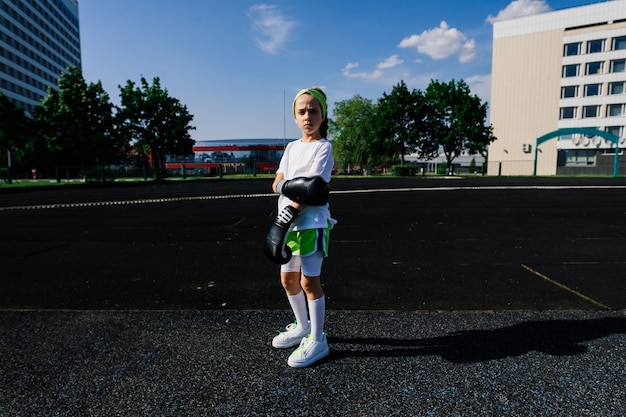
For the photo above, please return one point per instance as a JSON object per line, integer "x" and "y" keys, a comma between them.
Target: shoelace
{"x": 289, "y": 327}
{"x": 306, "y": 343}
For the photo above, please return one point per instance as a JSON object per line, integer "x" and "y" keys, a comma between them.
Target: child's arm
{"x": 312, "y": 191}
{"x": 279, "y": 177}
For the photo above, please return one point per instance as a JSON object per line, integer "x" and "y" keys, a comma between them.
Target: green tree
{"x": 353, "y": 131}
{"x": 15, "y": 130}
{"x": 154, "y": 122}
{"x": 400, "y": 119}
{"x": 75, "y": 124}
{"x": 456, "y": 121}
{"x": 472, "y": 166}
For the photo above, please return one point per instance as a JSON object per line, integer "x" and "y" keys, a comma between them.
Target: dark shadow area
{"x": 552, "y": 337}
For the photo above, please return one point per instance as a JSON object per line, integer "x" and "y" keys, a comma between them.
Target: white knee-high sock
{"x": 317, "y": 310}
{"x": 298, "y": 305}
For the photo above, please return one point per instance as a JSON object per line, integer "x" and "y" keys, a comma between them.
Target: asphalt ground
{"x": 445, "y": 297}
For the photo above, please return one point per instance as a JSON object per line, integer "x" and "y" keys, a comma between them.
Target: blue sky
{"x": 236, "y": 64}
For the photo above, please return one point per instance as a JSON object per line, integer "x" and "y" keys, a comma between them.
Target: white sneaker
{"x": 309, "y": 352}
{"x": 291, "y": 337}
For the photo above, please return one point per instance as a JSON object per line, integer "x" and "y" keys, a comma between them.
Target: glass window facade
{"x": 568, "y": 113}
{"x": 38, "y": 41}
{"x": 591, "y": 111}
{"x": 593, "y": 90}
{"x": 570, "y": 70}
{"x": 571, "y": 49}
{"x": 615, "y": 110}
{"x": 619, "y": 43}
{"x": 595, "y": 73}
{"x": 570, "y": 91}
{"x": 617, "y": 87}
{"x": 595, "y": 46}
{"x": 618, "y": 65}
{"x": 580, "y": 157}
{"x": 594, "y": 68}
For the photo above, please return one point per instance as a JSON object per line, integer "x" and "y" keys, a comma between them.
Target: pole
{"x": 535, "y": 161}
{"x": 9, "y": 180}
{"x": 284, "y": 119}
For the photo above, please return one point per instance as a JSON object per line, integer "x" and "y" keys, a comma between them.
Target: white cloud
{"x": 467, "y": 53}
{"x": 350, "y": 66}
{"x": 442, "y": 42}
{"x": 347, "y": 72}
{"x": 272, "y": 29}
{"x": 519, "y": 8}
{"x": 392, "y": 61}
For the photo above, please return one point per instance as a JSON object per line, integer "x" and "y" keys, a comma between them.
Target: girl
{"x": 308, "y": 237}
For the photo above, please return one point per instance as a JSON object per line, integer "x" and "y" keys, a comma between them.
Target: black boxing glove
{"x": 312, "y": 191}
{"x": 275, "y": 248}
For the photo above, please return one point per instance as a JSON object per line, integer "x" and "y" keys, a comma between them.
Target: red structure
{"x": 213, "y": 157}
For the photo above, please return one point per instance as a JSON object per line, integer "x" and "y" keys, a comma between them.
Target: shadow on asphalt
{"x": 552, "y": 337}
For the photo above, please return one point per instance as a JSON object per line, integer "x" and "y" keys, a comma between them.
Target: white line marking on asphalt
{"x": 566, "y": 288}
{"x": 132, "y": 202}
{"x": 265, "y": 195}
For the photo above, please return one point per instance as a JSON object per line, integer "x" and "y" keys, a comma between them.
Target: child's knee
{"x": 312, "y": 285}
{"x": 290, "y": 280}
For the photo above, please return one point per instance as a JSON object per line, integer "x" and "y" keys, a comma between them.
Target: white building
{"x": 38, "y": 41}
{"x": 555, "y": 70}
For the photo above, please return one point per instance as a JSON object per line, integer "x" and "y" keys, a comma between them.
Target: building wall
{"x": 528, "y": 81}
{"x": 524, "y": 102}
{"x": 38, "y": 41}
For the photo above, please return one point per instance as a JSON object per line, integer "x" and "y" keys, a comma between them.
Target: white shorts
{"x": 311, "y": 265}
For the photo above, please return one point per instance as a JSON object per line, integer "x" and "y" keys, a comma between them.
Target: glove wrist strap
{"x": 280, "y": 185}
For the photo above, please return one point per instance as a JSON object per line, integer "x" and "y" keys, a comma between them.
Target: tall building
{"x": 557, "y": 70}
{"x": 39, "y": 39}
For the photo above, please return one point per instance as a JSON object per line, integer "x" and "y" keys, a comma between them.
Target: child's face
{"x": 308, "y": 114}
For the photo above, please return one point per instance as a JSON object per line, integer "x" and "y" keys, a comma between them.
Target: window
{"x": 595, "y": 46}
{"x": 580, "y": 157}
{"x": 594, "y": 68}
{"x": 570, "y": 70}
{"x": 568, "y": 112}
{"x": 593, "y": 90}
{"x": 570, "y": 91}
{"x": 617, "y": 87}
{"x": 611, "y": 151}
{"x": 591, "y": 111}
{"x": 618, "y": 65}
{"x": 570, "y": 49}
{"x": 619, "y": 43}
{"x": 616, "y": 130}
{"x": 613, "y": 110}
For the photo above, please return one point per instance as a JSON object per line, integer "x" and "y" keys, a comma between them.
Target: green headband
{"x": 318, "y": 96}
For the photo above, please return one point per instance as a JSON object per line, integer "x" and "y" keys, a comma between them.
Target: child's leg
{"x": 317, "y": 310}
{"x": 298, "y": 306}
{"x": 312, "y": 284}
{"x": 293, "y": 334}
{"x": 290, "y": 279}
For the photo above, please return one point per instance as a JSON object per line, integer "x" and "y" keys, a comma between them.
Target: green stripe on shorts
{"x": 307, "y": 242}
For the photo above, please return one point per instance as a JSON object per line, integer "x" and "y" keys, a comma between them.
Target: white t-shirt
{"x": 308, "y": 159}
